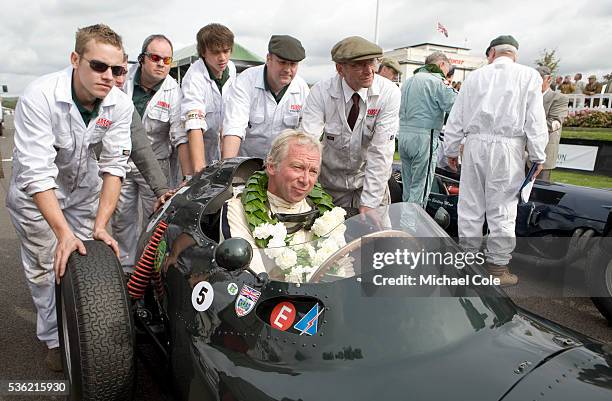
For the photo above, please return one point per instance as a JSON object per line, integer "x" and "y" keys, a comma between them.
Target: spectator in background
{"x": 556, "y": 108}
{"x": 567, "y": 87}
{"x": 449, "y": 77}
{"x": 390, "y": 69}
{"x": 593, "y": 88}
{"x": 608, "y": 89}
{"x": 556, "y": 86}
{"x": 578, "y": 84}
{"x": 457, "y": 86}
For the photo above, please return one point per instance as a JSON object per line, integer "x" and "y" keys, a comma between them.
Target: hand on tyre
{"x": 65, "y": 246}
{"x": 103, "y": 235}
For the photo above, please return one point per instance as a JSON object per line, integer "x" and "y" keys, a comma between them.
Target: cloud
{"x": 37, "y": 36}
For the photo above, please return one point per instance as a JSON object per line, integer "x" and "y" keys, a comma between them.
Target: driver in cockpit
{"x": 285, "y": 192}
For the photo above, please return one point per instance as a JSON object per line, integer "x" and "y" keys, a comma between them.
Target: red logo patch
{"x": 373, "y": 112}
{"x": 282, "y": 316}
{"x": 163, "y": 104}
{"x": 296, "y": 107}
{"x": 103, "y": 122}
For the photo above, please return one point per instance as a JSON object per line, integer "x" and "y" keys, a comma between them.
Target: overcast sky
{"x": 36, "y": 37}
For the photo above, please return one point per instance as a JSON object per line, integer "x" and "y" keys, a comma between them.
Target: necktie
{"x": 354, "y": 112}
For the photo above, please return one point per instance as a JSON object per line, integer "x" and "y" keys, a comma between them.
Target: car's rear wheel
{"x": 95, "y": 326}
{"x": 599, "y": 281}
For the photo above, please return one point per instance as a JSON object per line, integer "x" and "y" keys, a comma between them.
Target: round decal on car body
{"x": 282, "y": 316}
{"x": 232, "y": 289}
{"x": 202, "y": 296}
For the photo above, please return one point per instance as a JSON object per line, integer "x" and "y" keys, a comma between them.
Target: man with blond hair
{"x": 59, "y": 193}
{"x": 292, "y": 168}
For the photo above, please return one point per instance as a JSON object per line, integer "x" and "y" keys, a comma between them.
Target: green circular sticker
{"x": 232, "y": 289}
{"x": 160, "y": 255}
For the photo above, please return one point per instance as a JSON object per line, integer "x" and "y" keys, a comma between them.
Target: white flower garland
{"x": 299, "y": 261}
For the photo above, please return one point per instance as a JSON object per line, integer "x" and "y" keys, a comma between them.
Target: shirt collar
{"x": 503, "y": 60}
{"x": 154, "y": 89}
{"x": 282, "y": 206}
{"x": 348, "y": 92}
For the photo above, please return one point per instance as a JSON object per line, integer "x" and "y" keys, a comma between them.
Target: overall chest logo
{"x": 373, "y": 112}
{"x": 103, "y": 123}
{"x": 296, "y": 108}
{"x": 163, "y": 105}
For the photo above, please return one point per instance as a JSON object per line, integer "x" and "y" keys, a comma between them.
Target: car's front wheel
{"x": 95, "y": 326}
{"x": 599, "y": 280}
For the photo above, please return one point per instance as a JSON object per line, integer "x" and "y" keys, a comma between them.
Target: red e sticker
{"x": 282, "y": 316}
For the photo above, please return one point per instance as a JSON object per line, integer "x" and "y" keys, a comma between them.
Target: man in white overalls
{"x": 56, "y": 197}
{"x": 157, "y": 98}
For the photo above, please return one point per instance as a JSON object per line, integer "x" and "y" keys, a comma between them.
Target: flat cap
{"x": 593, "y": 77}
{"x": 391, "y": 63}
{"x": 502, "y": 40}
{"x": 543, "y": 70}
{"x": 286, "y": 47}
{"x": 355, "y": 48}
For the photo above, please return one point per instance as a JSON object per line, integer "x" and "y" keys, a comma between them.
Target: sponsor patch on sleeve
{"x": 195, "y": 115}
{"x": 125, "y": 152}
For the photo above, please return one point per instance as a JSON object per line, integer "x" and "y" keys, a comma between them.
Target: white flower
{"x": 293, "y": 277}
{"x": 329, "y": 220}
{"x": 287, "y": 259}
{"x": 263, "y": 231}
{"x": 279, "y": 231}
{"x": 275, "y": 247}
{"x": 311, "y": 250}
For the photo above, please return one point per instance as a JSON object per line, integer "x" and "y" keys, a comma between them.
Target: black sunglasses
{"x": 101, "y": 67}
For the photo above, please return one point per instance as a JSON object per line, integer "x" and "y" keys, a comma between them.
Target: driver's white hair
{"x": 506, "y": 49}
{"x": 280, "y": 144}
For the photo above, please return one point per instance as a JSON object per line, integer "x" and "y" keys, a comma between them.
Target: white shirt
{"x": 358, "y": 158}
{"x": 348, "y": 99}
{"x": 252, "y": 114}
{"x": 202, "y": 105}
{"x": 239, "y": 227}
{"x": 55, "y": 150}
{"x": 504, "y": 99}
{"x": 161, "y": 119}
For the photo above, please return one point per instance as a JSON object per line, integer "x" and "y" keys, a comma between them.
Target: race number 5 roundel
{"x": 282, "y": 316}
{"x": 202, "y": 296}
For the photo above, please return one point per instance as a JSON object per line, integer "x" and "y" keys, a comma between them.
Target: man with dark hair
{"x": 204, "y": 86}
{"x": 264, "y": 100}
{"x": 56, "y": 197}
{"x": 156, "y": 97}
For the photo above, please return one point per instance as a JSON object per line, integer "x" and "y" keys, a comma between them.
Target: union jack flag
{"x": 442, "y": 29}
{"x": 250, "y": 293}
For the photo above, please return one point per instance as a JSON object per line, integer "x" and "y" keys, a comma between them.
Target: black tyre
{"x": 95, "y": 326}
{"x": 599, "y": 281}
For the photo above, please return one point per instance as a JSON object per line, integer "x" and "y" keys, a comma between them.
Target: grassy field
{"x": 596, "y": 135}
{"x": 585, "y": 180}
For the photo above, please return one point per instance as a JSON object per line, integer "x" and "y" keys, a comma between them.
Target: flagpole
{"x": 376, "y": 22}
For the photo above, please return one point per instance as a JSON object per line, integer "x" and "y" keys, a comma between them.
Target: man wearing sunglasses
{"x": 264, "y": 101}
{"x": 204, "y": 86}
{"x": 157, "y": 98}
{"x": 357, "y": 113}
{"x": 56, "y": 197}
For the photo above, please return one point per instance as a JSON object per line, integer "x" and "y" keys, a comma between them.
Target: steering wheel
{"x": 352, "y": 246}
